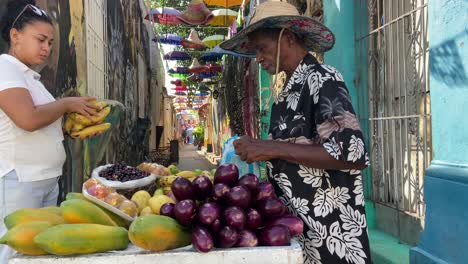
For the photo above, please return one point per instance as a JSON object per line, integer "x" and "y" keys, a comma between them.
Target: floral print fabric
{"x": 315, "y": 108}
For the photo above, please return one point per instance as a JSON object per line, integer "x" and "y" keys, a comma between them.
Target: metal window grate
{"x": 397, "y": 88}
{"x": 96, "y": 48}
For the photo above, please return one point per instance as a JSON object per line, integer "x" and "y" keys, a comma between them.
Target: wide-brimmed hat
{"x": 196, "y": 13}
{"x": 276, "y": 14}
{"x": 193, "y": 41}
{"x": 196, "y": 67}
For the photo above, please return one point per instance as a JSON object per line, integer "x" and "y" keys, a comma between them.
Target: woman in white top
{"x": 31, "y": 147}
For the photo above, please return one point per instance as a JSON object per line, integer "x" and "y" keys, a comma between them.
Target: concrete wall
{"x": 445, "y": 237}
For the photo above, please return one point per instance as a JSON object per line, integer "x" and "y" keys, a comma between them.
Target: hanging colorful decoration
{"x": 225, "y": 3}
{"x": 177, "y": 55}
{"x": 213, "y": 40}
{"x": 193, "y": 41}
{"x": 170, "y": 39}
{"x": 165, "y": 15}
{"x": 196, "y": 67}
{"x": 223, "y": 17}
{"x": 196, "y": 13}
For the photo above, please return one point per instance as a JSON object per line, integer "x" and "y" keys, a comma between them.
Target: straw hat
{"x": 196, "y": 13}
{"x": 276, "y": 14}
{"x": 193, "y": 41}
{"x": 196, "y": 67}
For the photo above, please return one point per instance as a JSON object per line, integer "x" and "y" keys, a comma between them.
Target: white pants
{"x": 15, "y": 195}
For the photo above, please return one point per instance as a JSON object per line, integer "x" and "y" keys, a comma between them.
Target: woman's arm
{"x": 18, "y": 105}
{"x": 309, "y": 155}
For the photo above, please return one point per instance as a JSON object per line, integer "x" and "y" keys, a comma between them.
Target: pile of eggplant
{"x": 232, "y": 212}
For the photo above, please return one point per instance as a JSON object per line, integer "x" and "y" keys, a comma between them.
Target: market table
{"x": 257, "y": 255}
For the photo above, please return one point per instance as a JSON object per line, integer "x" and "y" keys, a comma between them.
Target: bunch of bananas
{"x": 80, "y": 126}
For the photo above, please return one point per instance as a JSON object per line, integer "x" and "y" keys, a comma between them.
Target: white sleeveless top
{"x": 37, "y": 155}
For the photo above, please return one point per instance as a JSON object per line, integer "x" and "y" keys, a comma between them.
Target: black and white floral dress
{"x": 315, "y": 108}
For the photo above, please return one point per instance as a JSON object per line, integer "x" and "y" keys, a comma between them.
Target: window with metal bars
{"x": 392, "y": 43}
{"x": 96, "y": 48}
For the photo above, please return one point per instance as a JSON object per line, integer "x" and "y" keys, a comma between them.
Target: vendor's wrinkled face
{"x": 265, "y": 46}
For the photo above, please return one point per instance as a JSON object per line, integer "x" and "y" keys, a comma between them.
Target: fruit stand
{"x": 128, "y": 214}
{"x": 187, "y": 255}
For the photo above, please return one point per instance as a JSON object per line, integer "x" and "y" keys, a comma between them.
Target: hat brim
{"x": 317, "y": 37}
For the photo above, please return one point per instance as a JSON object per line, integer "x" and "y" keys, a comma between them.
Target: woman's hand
{"x": 252, "y": 150}
{"x": 80, "y": 105}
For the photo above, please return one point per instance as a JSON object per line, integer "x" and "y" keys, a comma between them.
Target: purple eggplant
{"x": 208, "y": 213}
{"x": 203, "y": 187}
{"x": 234, "y": 217}
{"x": 293, "y": 223}
{"x": 274, "y": 236}
{"x": 167, "y": 209}
{"x": 183, "y": 189}
{"x": 271, "y": 208}
{"x": 219, "y": 191}
{"x": 254, "y": 219}
{"x": 227, "y": 174}
{"x": 250, "y": 181}
{"x": 238, "y": 196}
{"x": 264, "y": 190}
{"x": 184, "y": 211}
{"x": 247, "y": 239}
{"x": 227, "y": 237}
{"x": 202, "y": 240}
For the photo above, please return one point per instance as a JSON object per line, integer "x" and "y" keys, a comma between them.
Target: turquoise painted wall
{"x": 339, "y": 17}
{"x": 349, "y": 23}
{"x": 445, "y": 237}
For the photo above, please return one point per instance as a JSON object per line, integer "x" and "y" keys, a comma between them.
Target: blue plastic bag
{"x": 230, "y": 157}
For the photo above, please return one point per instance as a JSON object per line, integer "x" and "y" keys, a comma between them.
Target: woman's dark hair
{"x": 12, "y": 13}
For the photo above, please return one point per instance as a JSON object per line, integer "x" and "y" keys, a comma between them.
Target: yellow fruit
{"x": 77, "y": 127}
{"x": 141, "y": 198}
{"x": 99, "y": 105}
{"x": 166, "y": 190}
{"x": 146, "y": 211}
{"x": 129, "y": 208}
{"x": 157, "y": 201}
{"x": 101, "y": 116}
{"x": 21, "y": 237}
{"x": 68, "y": 125}
{"x": 167, "y": 181}
{"x": 91, "y": 131}
{"x": 187, "y": 174}
{"x": 158, "y": 191}
{"x": 81, "y": 119}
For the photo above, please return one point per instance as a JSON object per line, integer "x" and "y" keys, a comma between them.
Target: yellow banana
{"x": 187, "y": 174}
{"x": 99, "y": 105}
{"x": 91, "y": 131}
{"x": 68, "y": 125}
{"x": 77, "y": 127}
{"x": 167, "y": 181}
{"x": 101, "y": 116}
{"x": 97, "y": 119}
{"x": 81, "y": 119}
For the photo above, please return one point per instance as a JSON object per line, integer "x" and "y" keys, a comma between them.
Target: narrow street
{"x": 190, "y": 159}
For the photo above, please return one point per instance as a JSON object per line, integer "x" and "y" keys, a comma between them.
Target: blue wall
{"x": 339, "y": 17}
{"x": 445, "y": 237}
{"x": 349, "y": 23}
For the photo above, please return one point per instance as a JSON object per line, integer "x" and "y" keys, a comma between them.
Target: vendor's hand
{"x": 80, "y": 105}
{"x": 251, "y": 150}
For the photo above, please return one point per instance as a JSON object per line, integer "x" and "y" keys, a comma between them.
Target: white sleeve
{"x": 11, "y": 77}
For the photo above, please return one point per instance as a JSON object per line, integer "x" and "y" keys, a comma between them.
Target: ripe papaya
{"x": 31, "y": 215}
{"x": 117, "y": 219}
{"x": 77, "y": 211}
{"x": 21, "y": 237}
{"x": 75, "y": 195}
{"x": 158, "y": 233}
{"x": 71, "y": 239}
{"x": 91, "y": 131}
{"x": 51, "y": 209}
